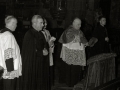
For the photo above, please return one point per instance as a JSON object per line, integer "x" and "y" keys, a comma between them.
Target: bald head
{"x": 11, "y": 23}
{"x": 35, "y": 18}
{"x": 9, "y": 18}
{"x": 76, "y": 23}
{"x": 37, "y": 22}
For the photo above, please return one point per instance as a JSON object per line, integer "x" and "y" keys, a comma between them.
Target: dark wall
{"x": 105, "y": 6}
{"x": 2, "y": 15}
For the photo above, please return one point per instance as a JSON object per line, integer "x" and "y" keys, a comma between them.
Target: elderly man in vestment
{"x": 10, "y": 58}
{"x": 35, "y": 58}
{"x": 72, "y": 53}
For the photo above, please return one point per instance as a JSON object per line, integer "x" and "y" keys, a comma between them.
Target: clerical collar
{"x": 4, "y": 30}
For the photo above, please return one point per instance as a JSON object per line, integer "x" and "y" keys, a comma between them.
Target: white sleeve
{"x": 13, "y": 51}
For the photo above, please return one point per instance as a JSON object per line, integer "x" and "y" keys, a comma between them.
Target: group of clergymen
{"x": 29, "y": 69}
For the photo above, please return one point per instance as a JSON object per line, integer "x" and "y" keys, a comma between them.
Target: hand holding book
{"x": 12, "y": 74}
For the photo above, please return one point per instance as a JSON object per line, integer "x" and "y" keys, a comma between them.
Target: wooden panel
{"x": 101, "y": 69}
{"x": 112, "y": 85}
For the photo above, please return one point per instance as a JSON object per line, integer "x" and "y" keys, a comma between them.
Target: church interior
{"x": 59, "y": 14}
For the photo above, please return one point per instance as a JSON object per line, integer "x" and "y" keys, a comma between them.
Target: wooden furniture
{"x": 112, "y": 85}
{"x": 101, "y": 69}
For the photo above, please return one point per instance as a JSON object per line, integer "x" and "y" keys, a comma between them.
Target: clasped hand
{"x": 12, "y": 74}
{"x": 107, "y": 39}
{"x": 45, "y": 52}
{"x": 51, "y": 41}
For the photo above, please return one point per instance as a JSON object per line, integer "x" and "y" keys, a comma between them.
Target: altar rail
{"x": 101, "y": 69}
{"x": 112, "y": 85}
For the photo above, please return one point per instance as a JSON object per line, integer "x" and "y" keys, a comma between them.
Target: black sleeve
{"x": 96, "y": 32}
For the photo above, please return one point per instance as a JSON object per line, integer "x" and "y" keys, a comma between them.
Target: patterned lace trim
{"x": 9, "y": 53}
{"x": 75, "y": 57}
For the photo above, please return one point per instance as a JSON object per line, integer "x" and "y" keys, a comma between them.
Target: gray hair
{"x": 76, "y": 18}
{"x": 35, "y": 18}
{"x": 9, "y": 18}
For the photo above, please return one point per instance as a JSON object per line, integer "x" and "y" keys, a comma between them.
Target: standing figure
{"x": 10, "y": 58}
{"x": 72, "y": 53}
{"x": 35, "y": 64}
{"x": 99, "y": 41}
{"x": 50, "y": 41}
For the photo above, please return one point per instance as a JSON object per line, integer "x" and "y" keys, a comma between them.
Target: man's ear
{"x": 100, "y": 21}
{"x": 34, "y": 23}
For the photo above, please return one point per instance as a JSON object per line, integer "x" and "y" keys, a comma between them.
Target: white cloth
{"x": 73, "y": 53}
{"x": 74, "y": 46}
{"x": 7, "y": 41}
{"x": 51, "y": 46}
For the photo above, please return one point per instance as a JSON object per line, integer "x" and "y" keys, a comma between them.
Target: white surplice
{"x": 10, "y": 49}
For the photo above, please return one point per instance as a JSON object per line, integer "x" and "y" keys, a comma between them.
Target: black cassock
{"x": 35, "y": 70}
{"x": 101, "y": 46}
